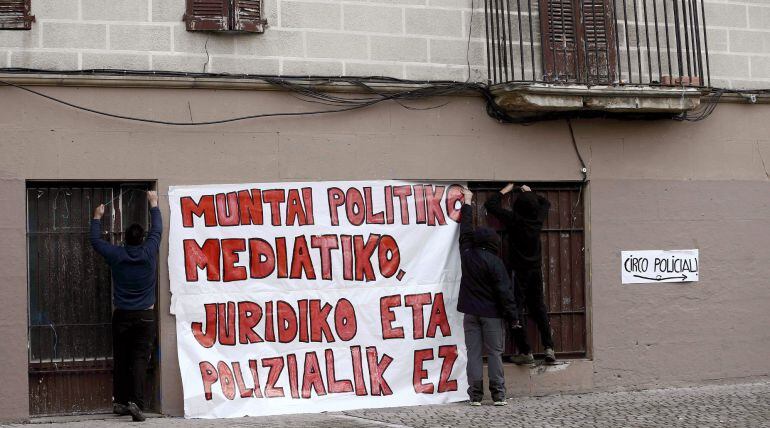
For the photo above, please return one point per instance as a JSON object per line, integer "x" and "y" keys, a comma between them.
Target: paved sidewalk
{"x": 735, "y": 405}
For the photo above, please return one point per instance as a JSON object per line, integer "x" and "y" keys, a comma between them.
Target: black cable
{"x": 305, "y": 88}
{"x": 350, "y": 104}
{"x": 583, "y": 168}
{"x": 707, "y": 109}
{"x": 163, "y": 122}
{"x": 468, "y": 45}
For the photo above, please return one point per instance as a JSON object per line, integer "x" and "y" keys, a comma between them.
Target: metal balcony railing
{"x": 597, "y": 42}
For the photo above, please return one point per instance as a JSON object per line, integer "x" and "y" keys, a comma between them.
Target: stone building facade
{"x": 408, "y": 39}
{"x": 648, "y": 184}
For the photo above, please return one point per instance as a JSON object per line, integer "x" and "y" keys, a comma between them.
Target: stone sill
{"x": 329, "y": 84}
{"x": 532, "y": 98}
{"x": 548, "y": 98}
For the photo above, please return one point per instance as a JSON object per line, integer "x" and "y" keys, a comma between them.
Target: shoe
{"x": 475, "y": 403}
{"x": 120, "y": 409}
{"x": 550, "y": 356}
{"x": 501, "y": 403}
{"x": 522, "y": 359}
{"x": 136, "y": 412}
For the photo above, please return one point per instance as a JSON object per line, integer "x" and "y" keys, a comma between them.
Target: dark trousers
{"x": 484, "y": 334}
{"x": 528, "y": 291}
{"x": 133, "y": 337}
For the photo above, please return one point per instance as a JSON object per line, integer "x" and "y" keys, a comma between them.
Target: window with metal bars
{"x": 69, "y": 293}
{"x": 15, "y": 15}
{"x": 225, "y": 15}
{"x": 563, "y": 268}
{"x": 598, "y": 42}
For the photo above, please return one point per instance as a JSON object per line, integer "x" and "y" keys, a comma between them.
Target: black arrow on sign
{"x": 659, "y": 278}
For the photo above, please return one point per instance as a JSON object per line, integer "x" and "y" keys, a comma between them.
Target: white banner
{"x": 639, "y": 267}
{"x": 311, "y": 297}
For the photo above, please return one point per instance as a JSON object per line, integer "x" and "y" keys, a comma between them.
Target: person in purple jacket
{"x": 134, "y": 280}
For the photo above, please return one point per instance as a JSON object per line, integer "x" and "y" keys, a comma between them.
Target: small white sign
{"x": 639, "y": 267}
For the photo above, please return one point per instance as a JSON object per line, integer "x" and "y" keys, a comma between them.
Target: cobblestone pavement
{"x": 735, "y": 405}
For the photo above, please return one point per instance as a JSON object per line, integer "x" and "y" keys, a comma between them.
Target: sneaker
{"x": 475, "y": 403}
{"x": 522, "y": 359}
{"x": 550, "y": 356}
{"x": 501, "y": 403}
{"x": 136, "y": 412}
{"x": 120, "y": 409}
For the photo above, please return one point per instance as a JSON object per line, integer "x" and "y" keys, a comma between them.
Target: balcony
{"x": 615, "y": 56}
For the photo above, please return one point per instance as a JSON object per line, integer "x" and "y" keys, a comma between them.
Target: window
{"x": 563, "y": 243}
{"x": 69, "y": 294}
{"x": 578, "y": 39}
{"x": 15, "y": 15}
{"x": 225, "y": 15}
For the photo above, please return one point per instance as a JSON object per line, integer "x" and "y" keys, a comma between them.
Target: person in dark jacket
{"x": 524, "y": 224}
{"x": 486, "y": 298}
{"x": 134, "y": 279}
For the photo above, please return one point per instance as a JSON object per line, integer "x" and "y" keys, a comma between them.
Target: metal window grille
{"x": 597, "y": 42}
{"x": 69, "y": 293}
{"x": 563, "y": 244}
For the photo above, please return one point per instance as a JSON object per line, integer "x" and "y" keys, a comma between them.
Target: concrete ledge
{"x": 566, "y": 376}
{"x": 329, "y": 84}
{"x": 573, "y": 97}
{"x": 541, "y": 97}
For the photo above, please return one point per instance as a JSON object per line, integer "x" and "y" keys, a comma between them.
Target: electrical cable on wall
{"x": 583, "y": 168}
{"x": 310, "y": 94}
{"x": 298, "y": 85}
{"x": 705, "y": 110}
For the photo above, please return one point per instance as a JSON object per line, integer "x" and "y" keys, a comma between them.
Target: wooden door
{"x": 70, "y": 294}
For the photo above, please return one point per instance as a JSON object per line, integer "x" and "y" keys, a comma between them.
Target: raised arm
{"x": 104, "y": 248}
{"x": 494, "y": 205}
{"x": 543, "y": 205}
{"x": 466, "y": 222}
{"x": 156, "y": 220}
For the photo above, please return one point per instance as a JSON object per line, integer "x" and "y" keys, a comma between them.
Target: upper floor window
{"x": 598, "y": 42}
{"x": 15, "y": 15}
{"x": 225, "y": 15}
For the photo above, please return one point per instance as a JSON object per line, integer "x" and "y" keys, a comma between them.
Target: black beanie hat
{"x": 526, "y": 205}
{"x": 487, "y": 238}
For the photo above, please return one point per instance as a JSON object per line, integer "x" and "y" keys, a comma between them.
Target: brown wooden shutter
{"x": 247, "y": 16}
{"x": 15, "y": 15}
{"x": 578, "y": 39}
{"x": 559, "y": 40}
{"x": 207, "y": 15}
{"x": 598, "y": 53}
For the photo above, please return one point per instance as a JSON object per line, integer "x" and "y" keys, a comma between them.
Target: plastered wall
{"x": 653, "y": 185}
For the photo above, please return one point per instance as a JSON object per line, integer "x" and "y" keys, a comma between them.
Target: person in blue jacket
{"x": 134, "y": 280}
{"x": 486, "y": 298}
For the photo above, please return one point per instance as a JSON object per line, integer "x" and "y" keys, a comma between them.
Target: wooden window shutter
{"x": 207, "y": 15}
{"x": 15, "y": 15}
{"x": 598, "y": 53}
{"x": 559, "y": 40}
{"x": 578, "y": 39}
{"x": 247, "y": 16}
